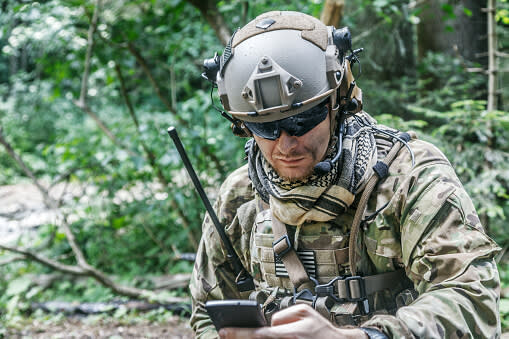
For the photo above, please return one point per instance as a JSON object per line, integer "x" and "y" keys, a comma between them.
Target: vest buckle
{"x": 281, "y": 247}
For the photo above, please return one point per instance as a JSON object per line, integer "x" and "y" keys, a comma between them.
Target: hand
{"x": 299, "y": 321}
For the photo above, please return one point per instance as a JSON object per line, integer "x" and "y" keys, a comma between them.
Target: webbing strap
{"x": 361, "y": 208}
{"x": 383, "y": 281}
{"x": 353, "y": 288}
{"x": 284, "y": 251}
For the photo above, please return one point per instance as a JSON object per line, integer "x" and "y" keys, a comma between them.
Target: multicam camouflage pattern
{"x": 419, "y": 218}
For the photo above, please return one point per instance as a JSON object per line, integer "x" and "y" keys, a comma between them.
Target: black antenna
{"x": 243, "y": 279}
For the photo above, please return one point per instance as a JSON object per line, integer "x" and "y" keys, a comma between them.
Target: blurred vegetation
{"x": 137, "y": 211}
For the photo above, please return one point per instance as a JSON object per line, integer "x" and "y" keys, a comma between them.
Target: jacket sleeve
{"x": 212, "y": 277}
{"x": 448, "y": 257}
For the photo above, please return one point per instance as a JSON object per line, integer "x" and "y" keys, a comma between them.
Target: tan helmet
{"x": 278, "y": 65}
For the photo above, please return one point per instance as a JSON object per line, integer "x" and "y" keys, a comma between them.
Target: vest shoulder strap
{"x": 381, "y": 170}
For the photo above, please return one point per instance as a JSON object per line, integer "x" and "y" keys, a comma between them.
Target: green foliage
{"x": 504, "y": 302}
{"x": 476, "y": 143}
{"x": 132, "y": 206}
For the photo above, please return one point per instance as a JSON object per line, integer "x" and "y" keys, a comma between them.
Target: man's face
{"x": 294, "y": 157}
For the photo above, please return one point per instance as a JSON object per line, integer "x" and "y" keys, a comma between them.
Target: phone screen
{"x": 235, "y": 313}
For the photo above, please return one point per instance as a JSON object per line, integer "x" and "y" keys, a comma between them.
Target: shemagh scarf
{"x": 318, "y": 197}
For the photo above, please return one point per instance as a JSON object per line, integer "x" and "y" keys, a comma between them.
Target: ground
{"x": 84, "y": 328}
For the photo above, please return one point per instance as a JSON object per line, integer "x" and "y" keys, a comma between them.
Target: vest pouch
{"x": 343, "y": 314}
{"x": 321, "y": 248}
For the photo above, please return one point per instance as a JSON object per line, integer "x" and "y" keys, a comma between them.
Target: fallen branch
{"x": 170, "y": 282}
{"x": 70, "y": 308}
{"x": 82, "y": 267}
{"x": 75, "y": 270}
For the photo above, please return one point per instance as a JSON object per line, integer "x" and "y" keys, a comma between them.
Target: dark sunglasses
{"x": 295, "y": 125}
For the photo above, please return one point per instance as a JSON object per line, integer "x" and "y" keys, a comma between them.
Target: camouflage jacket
{"x": 422, "y": 221}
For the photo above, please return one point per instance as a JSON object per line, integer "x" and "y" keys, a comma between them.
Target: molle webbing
{"x": 327, "y": 262}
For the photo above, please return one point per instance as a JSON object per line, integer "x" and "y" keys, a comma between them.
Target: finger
{"x": 236, "y": 333}
{"x": 291, "y": 330}
{"x": 292, "y": 314}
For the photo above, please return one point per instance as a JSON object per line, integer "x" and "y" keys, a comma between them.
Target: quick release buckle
{"x": 327, "y": 290}
{"x": 360, "y": 295}
{"x": 362, "y": 288}
{"x": 279, "y": 252}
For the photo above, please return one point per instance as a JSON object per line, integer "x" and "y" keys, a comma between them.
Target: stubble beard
{"x": 306, "y": 173}
{"x": 295, "y": 178}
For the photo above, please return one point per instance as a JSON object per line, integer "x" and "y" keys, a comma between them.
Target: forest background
{"x": 88, "y": 89}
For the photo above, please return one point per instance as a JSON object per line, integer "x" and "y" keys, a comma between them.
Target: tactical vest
{"x": 316, "y": 257}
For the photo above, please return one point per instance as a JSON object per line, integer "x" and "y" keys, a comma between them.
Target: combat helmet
{"x": 281, "y": 64}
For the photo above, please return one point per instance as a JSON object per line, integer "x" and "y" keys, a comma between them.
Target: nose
{"x": 286, "y": 143}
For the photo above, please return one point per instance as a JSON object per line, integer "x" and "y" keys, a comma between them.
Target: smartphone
{"x": 235, "y": 313}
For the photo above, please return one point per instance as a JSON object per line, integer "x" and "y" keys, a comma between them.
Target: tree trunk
{"x": 208, "y": 9}
{"x": 463, "y": 34}
{"x": 492, "y": 51}
{"x": 332, "y": 12}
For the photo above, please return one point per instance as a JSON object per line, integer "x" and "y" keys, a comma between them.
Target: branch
{"x": 172, "y": 282}
{"x": 366, "y": 33}
{"x": 80, "y": 257}
{"x": 82, "y": 101}
{"x": 152, "y": 159}
{"x": 88, "y": 56}
{"x": 87, "y": 270}
{"x": 48, "y": 200}
{"x": 11, "y": 260}
{"x": 416, "y": 3}
{"x": 45, "y": 261}
{"x": 84, "y": 107}
{"x": 146, "y": 70}
{"x": 83, "y": 268}
{"x": 21, "y": 164}
{"x": 209, "y": 11}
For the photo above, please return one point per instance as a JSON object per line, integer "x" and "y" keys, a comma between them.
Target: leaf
{"x": 120, "y": 312}
{"x": 59, "y": 236}
{"x": 118, "y": 222}
{"x": 467, "y": 12}
{"x": 448, "y": 9}
{"x": 18, "y": 285}
{"x": 33, "y": 291}
{"x": 504, "y": 306}
{"x": 12, "y": 305}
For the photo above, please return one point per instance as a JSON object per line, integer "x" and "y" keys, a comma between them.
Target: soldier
{"x": 348, "y": 228}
